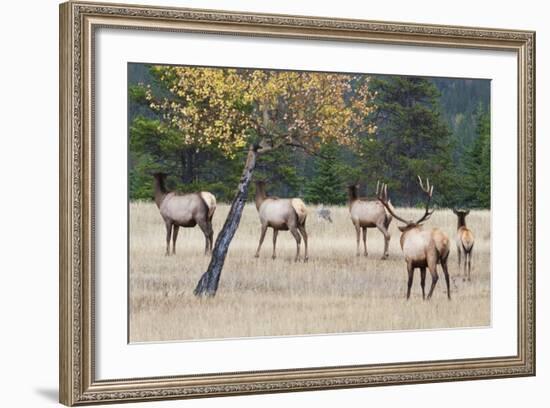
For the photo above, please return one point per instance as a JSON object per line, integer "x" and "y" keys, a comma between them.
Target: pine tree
{"x": 478, "y": 164}
{"x": 412, "y": 139}
{"x": 326, "y": 186}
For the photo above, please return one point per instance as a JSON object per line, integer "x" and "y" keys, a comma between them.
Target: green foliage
{"x": 460, "y": 101}
{"x": 478, "y": 165}
{"x": 139, "y": 181}
{"x": 411, "y": 139}
{"x": 281, "y": 169}
{"x": 326, "y": 186}
{"x": 145, "y": 156}
{"x": 137, "y": 94}
{"x": 154, "y": 147}
{"x": 436, "y": 128}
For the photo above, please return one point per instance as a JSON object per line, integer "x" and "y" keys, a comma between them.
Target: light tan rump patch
{"x": 300, "y": 209}
{"x": 467, "y": 239}
{"x": 210, "y": 201}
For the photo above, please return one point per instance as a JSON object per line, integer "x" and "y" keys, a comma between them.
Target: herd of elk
{"x": 184, "y": 210}
{"x": 281, "y": 214}
{"x": 367, "y": 213}
{"x": 422, "y": 248}
{"x": 464, "y": 241}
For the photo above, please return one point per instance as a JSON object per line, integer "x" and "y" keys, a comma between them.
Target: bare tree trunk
{"x": 208, "y": 284}
{"x": 186, "y": 158}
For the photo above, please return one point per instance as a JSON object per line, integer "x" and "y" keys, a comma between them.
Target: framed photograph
{"x": 391, "y": 167}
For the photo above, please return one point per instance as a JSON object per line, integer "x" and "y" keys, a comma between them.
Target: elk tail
{"x": 210, "y": 201}
{"x": 300, "y": 210}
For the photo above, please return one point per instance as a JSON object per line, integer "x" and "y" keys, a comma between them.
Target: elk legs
{"x": 211, "y": 235}
{"x": 358, "y": 234}
{"x": 446, "y": 273}
{"x": 298, "y": 238}
{"x": 302, "y": 229}
{"x": 410, "y": 271}
{"x": 365, "y": 240}
{"x": 435, "y": 278}
{"x": 206, "y": 229}
{"x": 275, "y": 233}
{"x": 168, "y": 235}
{"x": 174, "y": 238}
{"x": 262, "y": 236}
{"x": 384, "y": 230}
{"x": 423, "y": 281}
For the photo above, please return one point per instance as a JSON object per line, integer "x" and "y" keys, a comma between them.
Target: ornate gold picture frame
{"x": 79, "y": 22}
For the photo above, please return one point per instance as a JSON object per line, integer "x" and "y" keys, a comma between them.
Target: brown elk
{"x": 368, "y": 214}
{"x": 422, "y": 248}
{"x": 464, "y": 241}
{"x": 184, "y": 210}
{"x": 281, "y": 214}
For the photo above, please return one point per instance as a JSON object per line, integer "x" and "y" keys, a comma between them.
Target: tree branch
{"x": 308, "y": 150}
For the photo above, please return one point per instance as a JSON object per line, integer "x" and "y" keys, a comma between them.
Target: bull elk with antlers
{"x": 368, "y": 214}
{"x": 464, "y": 241}
{"x": 422, "y": 248}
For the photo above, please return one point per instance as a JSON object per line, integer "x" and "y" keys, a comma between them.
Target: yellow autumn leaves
{"x": 225, "y": 107}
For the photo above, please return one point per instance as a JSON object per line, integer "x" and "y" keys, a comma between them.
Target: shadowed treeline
{"x": 438, "y": 128}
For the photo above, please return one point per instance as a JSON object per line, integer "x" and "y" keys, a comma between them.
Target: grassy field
{"x": 334, "y": 292}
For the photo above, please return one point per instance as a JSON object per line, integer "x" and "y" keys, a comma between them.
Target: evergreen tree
{"x": 282, "y": 168}
{"x": 326, "y": 187}
{"x": 411, "y": 139}
{"x": 460, "y": 100}
{"x": 477, "y": 183}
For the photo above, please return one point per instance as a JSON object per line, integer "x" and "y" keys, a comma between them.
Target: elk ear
{"x": 466, "y": 212}
{"x": 455, "y": 211}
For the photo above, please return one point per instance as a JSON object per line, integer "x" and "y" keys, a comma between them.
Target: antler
{"x": 429, "y": 192}
{"x": 382, "y": 195}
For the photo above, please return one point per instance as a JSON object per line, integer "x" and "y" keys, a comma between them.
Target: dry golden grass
{"x": 334, "y": 292}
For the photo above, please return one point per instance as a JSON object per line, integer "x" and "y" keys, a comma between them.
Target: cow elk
{"x": 367, "y": 213}
{"x": 464, "y": 241}
{"x": 184, "y": 210}
{"x": 423, "y": 248}
{"x": 281, "y": 214}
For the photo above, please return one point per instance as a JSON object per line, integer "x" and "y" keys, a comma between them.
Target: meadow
{"x": 335, "y": 292}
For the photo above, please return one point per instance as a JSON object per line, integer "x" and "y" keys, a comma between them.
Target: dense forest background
{"x": 434, "y": 127}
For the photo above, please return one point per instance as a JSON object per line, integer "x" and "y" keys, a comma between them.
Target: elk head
{"x": 461, "y": 214}
{"x": 160, "y": 186}
{"x": 382, "y": 194}
{"x": 159, "y": 174}
{"x": 353, "y": 191}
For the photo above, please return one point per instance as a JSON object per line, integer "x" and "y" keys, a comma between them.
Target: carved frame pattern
{"x": 78, "y": 20}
